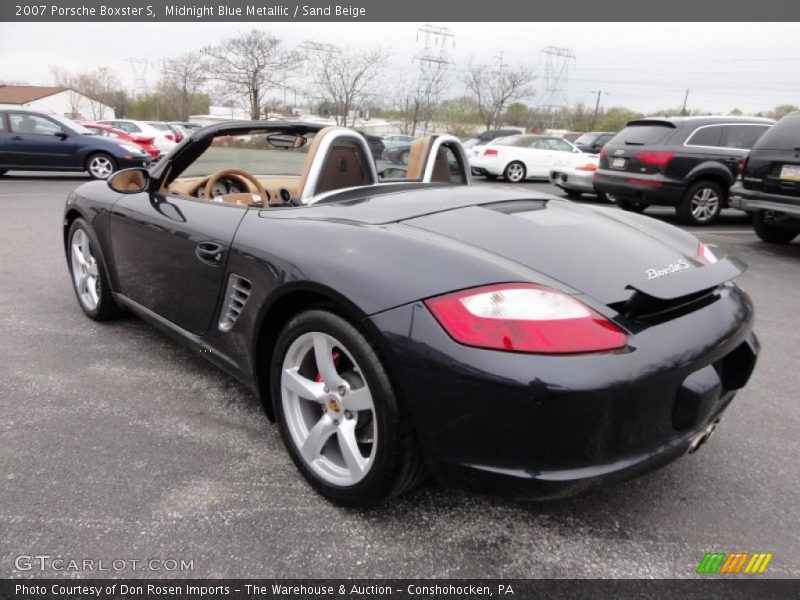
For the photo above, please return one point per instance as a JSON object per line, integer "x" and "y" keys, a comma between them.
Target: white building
{"x": 55, "y": 100}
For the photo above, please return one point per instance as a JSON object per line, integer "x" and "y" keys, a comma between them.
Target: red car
{"x": 143, "y": 141}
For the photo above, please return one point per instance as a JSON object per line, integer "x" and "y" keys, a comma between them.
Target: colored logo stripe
{"x": 721, "y": 562}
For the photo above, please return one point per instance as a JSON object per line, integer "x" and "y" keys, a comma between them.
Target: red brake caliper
{"x": 336, "y": 358}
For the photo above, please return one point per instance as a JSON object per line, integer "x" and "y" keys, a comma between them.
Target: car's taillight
{"x": 705, "y": 254}
{"x": 742, "y": 164}
{"x": 490, "y": 152}
{"x": 655, "y": 158}
{"x": 523, "y": 317}
{"x": 587, "y": 167}
{"x": 603, "y": 152}
{"x": 170, "y": 137}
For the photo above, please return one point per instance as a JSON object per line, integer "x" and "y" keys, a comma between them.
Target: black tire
{"x": 686, "y": 210}
{"x": 636, "y": 206}
{"x": 397, "y": 465}
{"x": 97, "y": 158}
{"x": 515, "y": 172}
{"x": 106, "y": 308}
{"x": 603, "y": 197}
{"x": 773, "y": 234}
{"x": 574, "y": 194}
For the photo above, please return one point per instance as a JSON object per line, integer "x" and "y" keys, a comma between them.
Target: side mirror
{"x": 130, "y": 181}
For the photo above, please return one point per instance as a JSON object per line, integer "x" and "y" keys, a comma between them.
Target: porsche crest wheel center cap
{"x": 334, "y": 405}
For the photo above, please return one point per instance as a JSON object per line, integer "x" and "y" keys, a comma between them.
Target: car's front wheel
{"x": 338, "y": 413}
{"x": 773, "y": 234}
{"x": 701, "y": 203}
{"x": 100, "y": 165}
{"x": 88, "y": 273}
{"x": 514, "y": 172}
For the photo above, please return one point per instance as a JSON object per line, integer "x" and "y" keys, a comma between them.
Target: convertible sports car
{"x": 490, "y": 336}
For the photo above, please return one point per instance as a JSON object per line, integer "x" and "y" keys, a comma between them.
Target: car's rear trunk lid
{"x": 587, "y": 250}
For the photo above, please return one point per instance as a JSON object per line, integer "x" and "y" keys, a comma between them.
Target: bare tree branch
{"x": 494, "y": 88}
{"x": 344, "y": 78}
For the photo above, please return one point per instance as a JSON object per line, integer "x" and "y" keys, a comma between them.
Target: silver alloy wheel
{"x": 100, "y": 167}
{"x": 705, "y": 204}
{"x": 330, "y": 414}
{"x": 515, "y": 172}
{"x": 85, "y": 272}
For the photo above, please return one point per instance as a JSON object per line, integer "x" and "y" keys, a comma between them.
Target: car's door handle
{"x": 17, "y": 137}
{"x": 209, "y": 253}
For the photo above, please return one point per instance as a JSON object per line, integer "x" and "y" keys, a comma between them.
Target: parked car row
{"x": 36, "y": 141}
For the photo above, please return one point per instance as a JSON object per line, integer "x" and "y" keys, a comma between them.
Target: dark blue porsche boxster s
{"x": 493, "y": 337}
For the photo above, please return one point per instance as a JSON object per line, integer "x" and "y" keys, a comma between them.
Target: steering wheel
{"x": 237, "y": 198}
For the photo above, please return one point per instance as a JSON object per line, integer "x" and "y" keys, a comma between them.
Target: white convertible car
{"x": 522, "y": 157}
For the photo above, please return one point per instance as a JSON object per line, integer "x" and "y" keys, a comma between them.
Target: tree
{"x": 493, "y": 89}
{"x": 344, "y": 78}
{"x": 65, "y": 79}
{"x": 458, "y": 116}
{"x": 182, "y": 79}
{"x": 518, "y": 115}
{"x": 249, "y": 65}
{"x": 781, "y": 111}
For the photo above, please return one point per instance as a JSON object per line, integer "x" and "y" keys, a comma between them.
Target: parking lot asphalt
{"x": 117, "y": 443}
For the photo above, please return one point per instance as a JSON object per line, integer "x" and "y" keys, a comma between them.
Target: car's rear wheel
{"x": 89, "y": 273}
{"x": 774, "y": 234}
{"x": 100, "y": 165}
{"x": 338, "y": 414}
{"x": 514, "y": 172}
{"x": 701, "y": 203}
{"x": 631, "y": 205}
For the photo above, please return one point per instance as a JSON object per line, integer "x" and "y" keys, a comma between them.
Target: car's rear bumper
{"x": 754, "y": 201}
{"x": 569, "y": 178}
{"x": 554, "y": 425}
{"x": 129, "y": 163}
{"x": 651, "y": 189}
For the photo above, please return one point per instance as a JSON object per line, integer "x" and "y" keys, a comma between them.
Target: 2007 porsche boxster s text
{"x": 398, "y": 327}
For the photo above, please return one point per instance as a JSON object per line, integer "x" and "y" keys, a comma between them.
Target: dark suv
{"x": 770, "y": 184}
{"x": 686, "y": 162}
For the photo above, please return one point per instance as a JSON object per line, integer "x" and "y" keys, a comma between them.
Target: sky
{"x": 644, "y": 66}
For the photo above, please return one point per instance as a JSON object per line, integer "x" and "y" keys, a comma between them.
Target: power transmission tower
{"x": 434, "y": 62}
{"x": 139, "y": 69}
{"x": 556, "y": 62}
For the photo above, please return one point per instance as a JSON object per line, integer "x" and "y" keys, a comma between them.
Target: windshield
{"x": 251, "y": 153}
{"x": 76, "y": 127}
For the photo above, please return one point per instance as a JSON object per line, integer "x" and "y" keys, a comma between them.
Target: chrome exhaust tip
{"x": 701, "y": 437}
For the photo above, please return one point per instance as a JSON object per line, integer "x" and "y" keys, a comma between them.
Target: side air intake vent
{"x": 236, "y": 295}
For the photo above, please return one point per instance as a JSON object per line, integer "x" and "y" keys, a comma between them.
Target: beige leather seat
{"x": 418, "y": 158}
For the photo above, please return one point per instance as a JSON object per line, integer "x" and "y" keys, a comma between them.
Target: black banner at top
{"x": 397, "y": 10}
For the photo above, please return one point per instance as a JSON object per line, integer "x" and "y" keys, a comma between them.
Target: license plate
{"x": 791, "y": 172}
{"x": 617, "y": 163}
